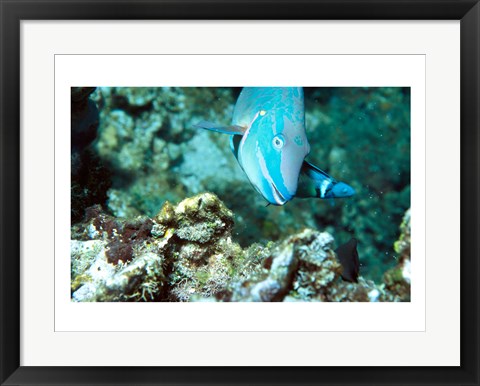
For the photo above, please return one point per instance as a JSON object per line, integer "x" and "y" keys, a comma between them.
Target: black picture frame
{"x": 12, "y": 12}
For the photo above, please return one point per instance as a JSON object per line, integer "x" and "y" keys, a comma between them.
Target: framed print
{"x": 226, "y": 192}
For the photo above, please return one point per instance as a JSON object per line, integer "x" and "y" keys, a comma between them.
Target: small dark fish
{"x": 348, "y": 256}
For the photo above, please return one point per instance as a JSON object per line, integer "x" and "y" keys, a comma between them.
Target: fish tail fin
{"x": 314, "y": 182}
{"x": 239, "y": 130}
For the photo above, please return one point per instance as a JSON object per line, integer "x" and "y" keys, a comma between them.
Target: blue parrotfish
{"x": 269, "y": 141}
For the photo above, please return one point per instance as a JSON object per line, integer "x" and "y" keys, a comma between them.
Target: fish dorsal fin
{"x": 232, "y": 130}
{"x": 314, "y": 182}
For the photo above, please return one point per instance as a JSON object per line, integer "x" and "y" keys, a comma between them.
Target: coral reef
{"x": 186, "y": 253}
{"x": 144, "y": 136}
{"x": 146, "y": 151}
{"x": 398, "y": 279}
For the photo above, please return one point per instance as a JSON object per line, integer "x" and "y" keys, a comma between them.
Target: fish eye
{"x": 278, "y": 141}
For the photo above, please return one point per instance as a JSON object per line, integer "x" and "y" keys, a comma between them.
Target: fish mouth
{"x": 279, "y": 198}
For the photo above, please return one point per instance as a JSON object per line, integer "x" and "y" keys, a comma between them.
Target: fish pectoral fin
{"x": 314, "y": 182}
{"x": 239, "y": 130}
{"x": 235, "y": 144}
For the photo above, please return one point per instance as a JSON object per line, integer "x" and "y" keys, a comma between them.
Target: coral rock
{"x": 202, "y": 218}
{"x": 397, "y": 279}
{"x": 186, "y": 253}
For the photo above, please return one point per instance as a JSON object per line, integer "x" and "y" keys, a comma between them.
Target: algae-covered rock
{"x": 141, "y": 280}
{"x": 276, "y": 284}
{"x": 398, "y": 278}
{"x": 202, "y": 218}
{"x": 186, "y": 253}
{"x": 187, "y": 247}
{"x": 204, "y": 256}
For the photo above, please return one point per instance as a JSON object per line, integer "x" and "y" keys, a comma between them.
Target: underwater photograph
{"x": 231, "y": 194}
